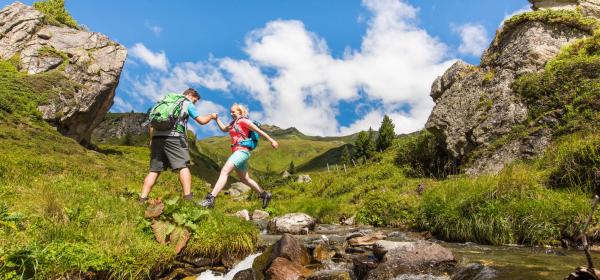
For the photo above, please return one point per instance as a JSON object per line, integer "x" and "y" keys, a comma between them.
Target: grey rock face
{"x": 476, "y": 106}
{"x": 88, "y": 59}
{"x": 119, "y": 125}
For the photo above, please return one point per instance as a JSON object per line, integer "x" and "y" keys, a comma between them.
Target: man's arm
{"x": 205, "y": 119}
{"x": 253, "y": 127}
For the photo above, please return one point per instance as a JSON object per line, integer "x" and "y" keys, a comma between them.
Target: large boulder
{"x": 284, "y": 269}
{"x": 294, "y": 223}
{"x": 411, "y": 257}
{"x": 89, "y": 62}
{"x": 476, "y": 106}
{"x": 290, "y": 248}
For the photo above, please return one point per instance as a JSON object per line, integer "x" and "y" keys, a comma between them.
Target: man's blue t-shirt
{"x": 192, "y": 111}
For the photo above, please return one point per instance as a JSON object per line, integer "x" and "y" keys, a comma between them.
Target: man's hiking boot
{"x": 208, "y": 202}
{"x": 188, "y": 197}
{"x": 143, "y": 200}
{"x": 266, "y": 198}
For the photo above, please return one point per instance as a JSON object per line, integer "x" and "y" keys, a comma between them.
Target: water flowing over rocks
{"x": 475, "y": 105}
{"x": 89, "y": 61}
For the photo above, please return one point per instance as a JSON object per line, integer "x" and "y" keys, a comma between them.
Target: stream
{"x": 498, "y": 262}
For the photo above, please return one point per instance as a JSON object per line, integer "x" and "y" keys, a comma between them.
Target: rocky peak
{"x": 89, "y": 61}
{"x": 476, "y": 106}
{"x": 587, "y": 7}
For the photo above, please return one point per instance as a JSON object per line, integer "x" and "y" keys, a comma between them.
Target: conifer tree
{"x": 365, "y": 145}
{"x": 346, "y": 157}
{"x": 386, "y": 134}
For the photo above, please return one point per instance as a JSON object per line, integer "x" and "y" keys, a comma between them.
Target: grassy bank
{"x": 67, "y": 210}
{"x": 519, "y": 205}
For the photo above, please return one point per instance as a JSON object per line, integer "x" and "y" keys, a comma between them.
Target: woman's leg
{"x": 243, "y": 174}
{"x": 264, "y": 195}
{"x": 227, "y": 168}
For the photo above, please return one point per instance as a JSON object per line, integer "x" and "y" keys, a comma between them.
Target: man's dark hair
{"x": 191, "y": 91}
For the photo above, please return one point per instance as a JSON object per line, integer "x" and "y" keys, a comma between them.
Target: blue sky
{"x": 326, "y": 67}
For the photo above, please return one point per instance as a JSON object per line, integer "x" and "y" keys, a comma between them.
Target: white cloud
{"x": 154, "y": 28}
{"x": 396, "y": 64}
{"x": 291, "y": 72}
{"x": 184, "y": 75}
{"x": 122, "y": 105}
{"x": 154, "y": 60}
{"x": 474, "y": 38}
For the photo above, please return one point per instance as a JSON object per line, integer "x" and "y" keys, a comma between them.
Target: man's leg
{"x": 185, "y": 178}
{"x": 148, "y": 183}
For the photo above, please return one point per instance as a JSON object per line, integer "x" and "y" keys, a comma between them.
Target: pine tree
{"x": 371, "y": 148}
{"x": 346, "y": 156}
{"x": 365, "y": 145}
{"x": 386, "y": 134}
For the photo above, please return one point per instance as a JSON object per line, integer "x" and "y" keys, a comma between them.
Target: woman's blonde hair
{"x": 241, "y": 109}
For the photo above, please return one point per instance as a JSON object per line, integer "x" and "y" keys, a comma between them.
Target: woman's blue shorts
{"x": 239, "y": 159}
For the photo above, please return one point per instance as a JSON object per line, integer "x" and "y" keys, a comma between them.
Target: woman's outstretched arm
{"x": 222, "y": 126}
{"x": 253, "y": 127}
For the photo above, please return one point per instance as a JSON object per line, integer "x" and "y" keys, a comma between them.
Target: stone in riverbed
{"x": 321, "y": 253}
{"x": 291, "y": 249}
{"x": 284, "y": 269}
{"x": 294, "y": 223}
{"x": 366, "y": 240}
{"x": 259, "y": 215}
{"x": 474, "y": 271}
{"x": 243, "y": 214}
{"x": 246, "y": 274}
{"x": 411, "y": 257}
{"x": 331, "y": 275}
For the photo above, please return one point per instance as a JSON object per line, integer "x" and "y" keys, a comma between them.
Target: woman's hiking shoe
{"x": 266, "y": 198}
{"x": 208, "y": 202}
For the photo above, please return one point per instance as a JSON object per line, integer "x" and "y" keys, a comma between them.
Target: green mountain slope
{"x": 307, "y": 152}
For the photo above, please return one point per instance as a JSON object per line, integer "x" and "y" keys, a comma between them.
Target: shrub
{"x": 423, "y": 157}
{"x": 55, "y": 13}
{"x": 387, "y": 209}
{"x": 575, "y": 163}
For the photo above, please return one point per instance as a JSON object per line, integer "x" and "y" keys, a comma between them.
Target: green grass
{"x": 517, "y": 206}
{"x": 66, "y": 210}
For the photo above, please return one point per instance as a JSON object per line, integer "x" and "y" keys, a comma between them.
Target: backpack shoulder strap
{"x": 237, "y": 129}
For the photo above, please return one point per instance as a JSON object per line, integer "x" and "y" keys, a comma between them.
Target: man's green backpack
{"x": 166, "y": 113}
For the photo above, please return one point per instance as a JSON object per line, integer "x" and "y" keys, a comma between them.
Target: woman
{"x": 239, "y": 129}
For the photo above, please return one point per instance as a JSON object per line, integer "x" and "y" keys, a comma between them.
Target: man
{"x": 170, "y": 148}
